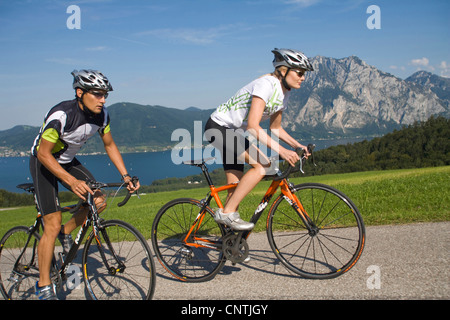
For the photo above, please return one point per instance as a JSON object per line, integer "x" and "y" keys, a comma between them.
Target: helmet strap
{"x": 85, "y": 109}
{"x": 284, "y": 82}
{"x": 283, "y": 78}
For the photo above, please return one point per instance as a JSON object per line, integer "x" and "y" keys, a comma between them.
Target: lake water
{"x": 148, "y": 166}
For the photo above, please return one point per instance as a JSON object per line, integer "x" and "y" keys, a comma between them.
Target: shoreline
{"x": 8, "y": 153}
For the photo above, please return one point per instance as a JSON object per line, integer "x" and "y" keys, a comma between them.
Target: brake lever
{"x": 300, "y": 166}
{"x": 135, "y": 180}
{"x": 310, "y": 150}
{"x": 300, "y": 152}
{"x": 303, "y": 158}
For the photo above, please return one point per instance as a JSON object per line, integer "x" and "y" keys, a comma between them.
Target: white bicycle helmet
{"x": 90, "y": 79}
{"x": 291, "y": 59}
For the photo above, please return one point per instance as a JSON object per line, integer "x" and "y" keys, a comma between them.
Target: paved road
{"x": 412, "y": 262}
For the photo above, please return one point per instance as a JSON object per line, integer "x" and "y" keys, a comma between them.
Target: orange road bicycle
{"x": 313, "y": 229}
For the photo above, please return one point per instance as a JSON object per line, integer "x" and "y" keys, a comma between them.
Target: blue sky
{"x": 183, "y": 53}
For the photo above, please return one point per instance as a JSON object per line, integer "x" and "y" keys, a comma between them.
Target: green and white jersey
{"x": 234, "y": 113}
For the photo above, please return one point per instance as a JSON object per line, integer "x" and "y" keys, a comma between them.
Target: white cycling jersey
{"x": 234, "y": 113}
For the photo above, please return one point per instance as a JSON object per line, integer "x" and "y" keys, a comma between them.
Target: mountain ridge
{"x": 349, "y": 97}
{"x": 344, "y": 97}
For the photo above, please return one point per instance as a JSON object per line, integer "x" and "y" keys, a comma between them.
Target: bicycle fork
{"x": 99, "y": 230}
{"x": 295, "y": 203}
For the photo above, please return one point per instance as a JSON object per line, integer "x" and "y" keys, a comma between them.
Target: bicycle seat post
{"x": 206, "y": 173}
{"x": 202, "y": 165}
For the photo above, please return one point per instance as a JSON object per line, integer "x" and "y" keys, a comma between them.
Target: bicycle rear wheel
{"x": 119, "y": 265}
{"x": 18, "y": 274}
{"x": 336, "y": 240}
{"x": 197, "y": 258}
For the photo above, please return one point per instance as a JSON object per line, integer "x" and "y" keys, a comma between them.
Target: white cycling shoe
{"x": 233, "y": 220}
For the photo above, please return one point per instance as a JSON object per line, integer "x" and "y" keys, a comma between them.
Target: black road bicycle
{"x": 117, "y": 262}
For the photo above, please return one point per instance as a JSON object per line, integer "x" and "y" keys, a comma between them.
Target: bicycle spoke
{"x": 121, "y": 267}
{"x": 297, "y": 223}
{"x": 17, "y": 278}
{"x": 331, "y": 243}
{"x": 197, "y": 258}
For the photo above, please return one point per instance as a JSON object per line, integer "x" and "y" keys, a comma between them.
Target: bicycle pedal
{"x": 246, "y": 260}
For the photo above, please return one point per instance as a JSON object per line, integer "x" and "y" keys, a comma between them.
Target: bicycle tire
{"x": 133, "y": 281}
{"x": 330, "y": 250}
{"x": 187, "y": 262}
{"x": 18, "y": 284}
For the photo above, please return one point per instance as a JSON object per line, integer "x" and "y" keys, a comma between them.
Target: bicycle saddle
{"x": 197, "y": 163}
{"x": 26, "y": 186}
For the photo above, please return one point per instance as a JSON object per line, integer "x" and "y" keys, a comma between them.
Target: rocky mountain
{"x": 347, "y": 97}
{"x": 341, "y": 98}
{"x": 439, "y": 85}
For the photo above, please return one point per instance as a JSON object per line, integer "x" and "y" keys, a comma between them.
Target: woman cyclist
{"x": 264, "y": 98}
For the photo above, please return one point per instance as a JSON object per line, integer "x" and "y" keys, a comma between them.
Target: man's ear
{"x": 79, "y": 92}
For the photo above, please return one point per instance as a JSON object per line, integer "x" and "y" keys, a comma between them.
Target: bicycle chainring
{"x": 235, "y": 253}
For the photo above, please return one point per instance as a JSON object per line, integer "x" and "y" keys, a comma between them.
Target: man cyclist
{"x": 67, "y": 126}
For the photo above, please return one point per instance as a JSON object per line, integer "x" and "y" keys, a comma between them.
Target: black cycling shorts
{"x": 46, "y": 184}
{"x": 229, "y": 142}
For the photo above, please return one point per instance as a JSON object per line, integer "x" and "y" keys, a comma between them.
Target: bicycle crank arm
{"x": 235, "y": 247}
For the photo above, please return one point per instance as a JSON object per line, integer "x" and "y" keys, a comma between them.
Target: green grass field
{"x": 383, "y": 197}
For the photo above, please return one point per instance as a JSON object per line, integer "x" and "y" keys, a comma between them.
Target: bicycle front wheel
{"x": 188, "y": 241}
{"x": 334, "y": 240}
{"x": 19, "y": 269}
{"x": 119, "y": 264}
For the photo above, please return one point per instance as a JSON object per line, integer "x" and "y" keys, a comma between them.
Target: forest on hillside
{"x": 422, "y": 144}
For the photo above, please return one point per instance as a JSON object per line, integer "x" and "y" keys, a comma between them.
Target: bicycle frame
{"x": 283, "y": 184}
{"x": 92, "y": 218}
